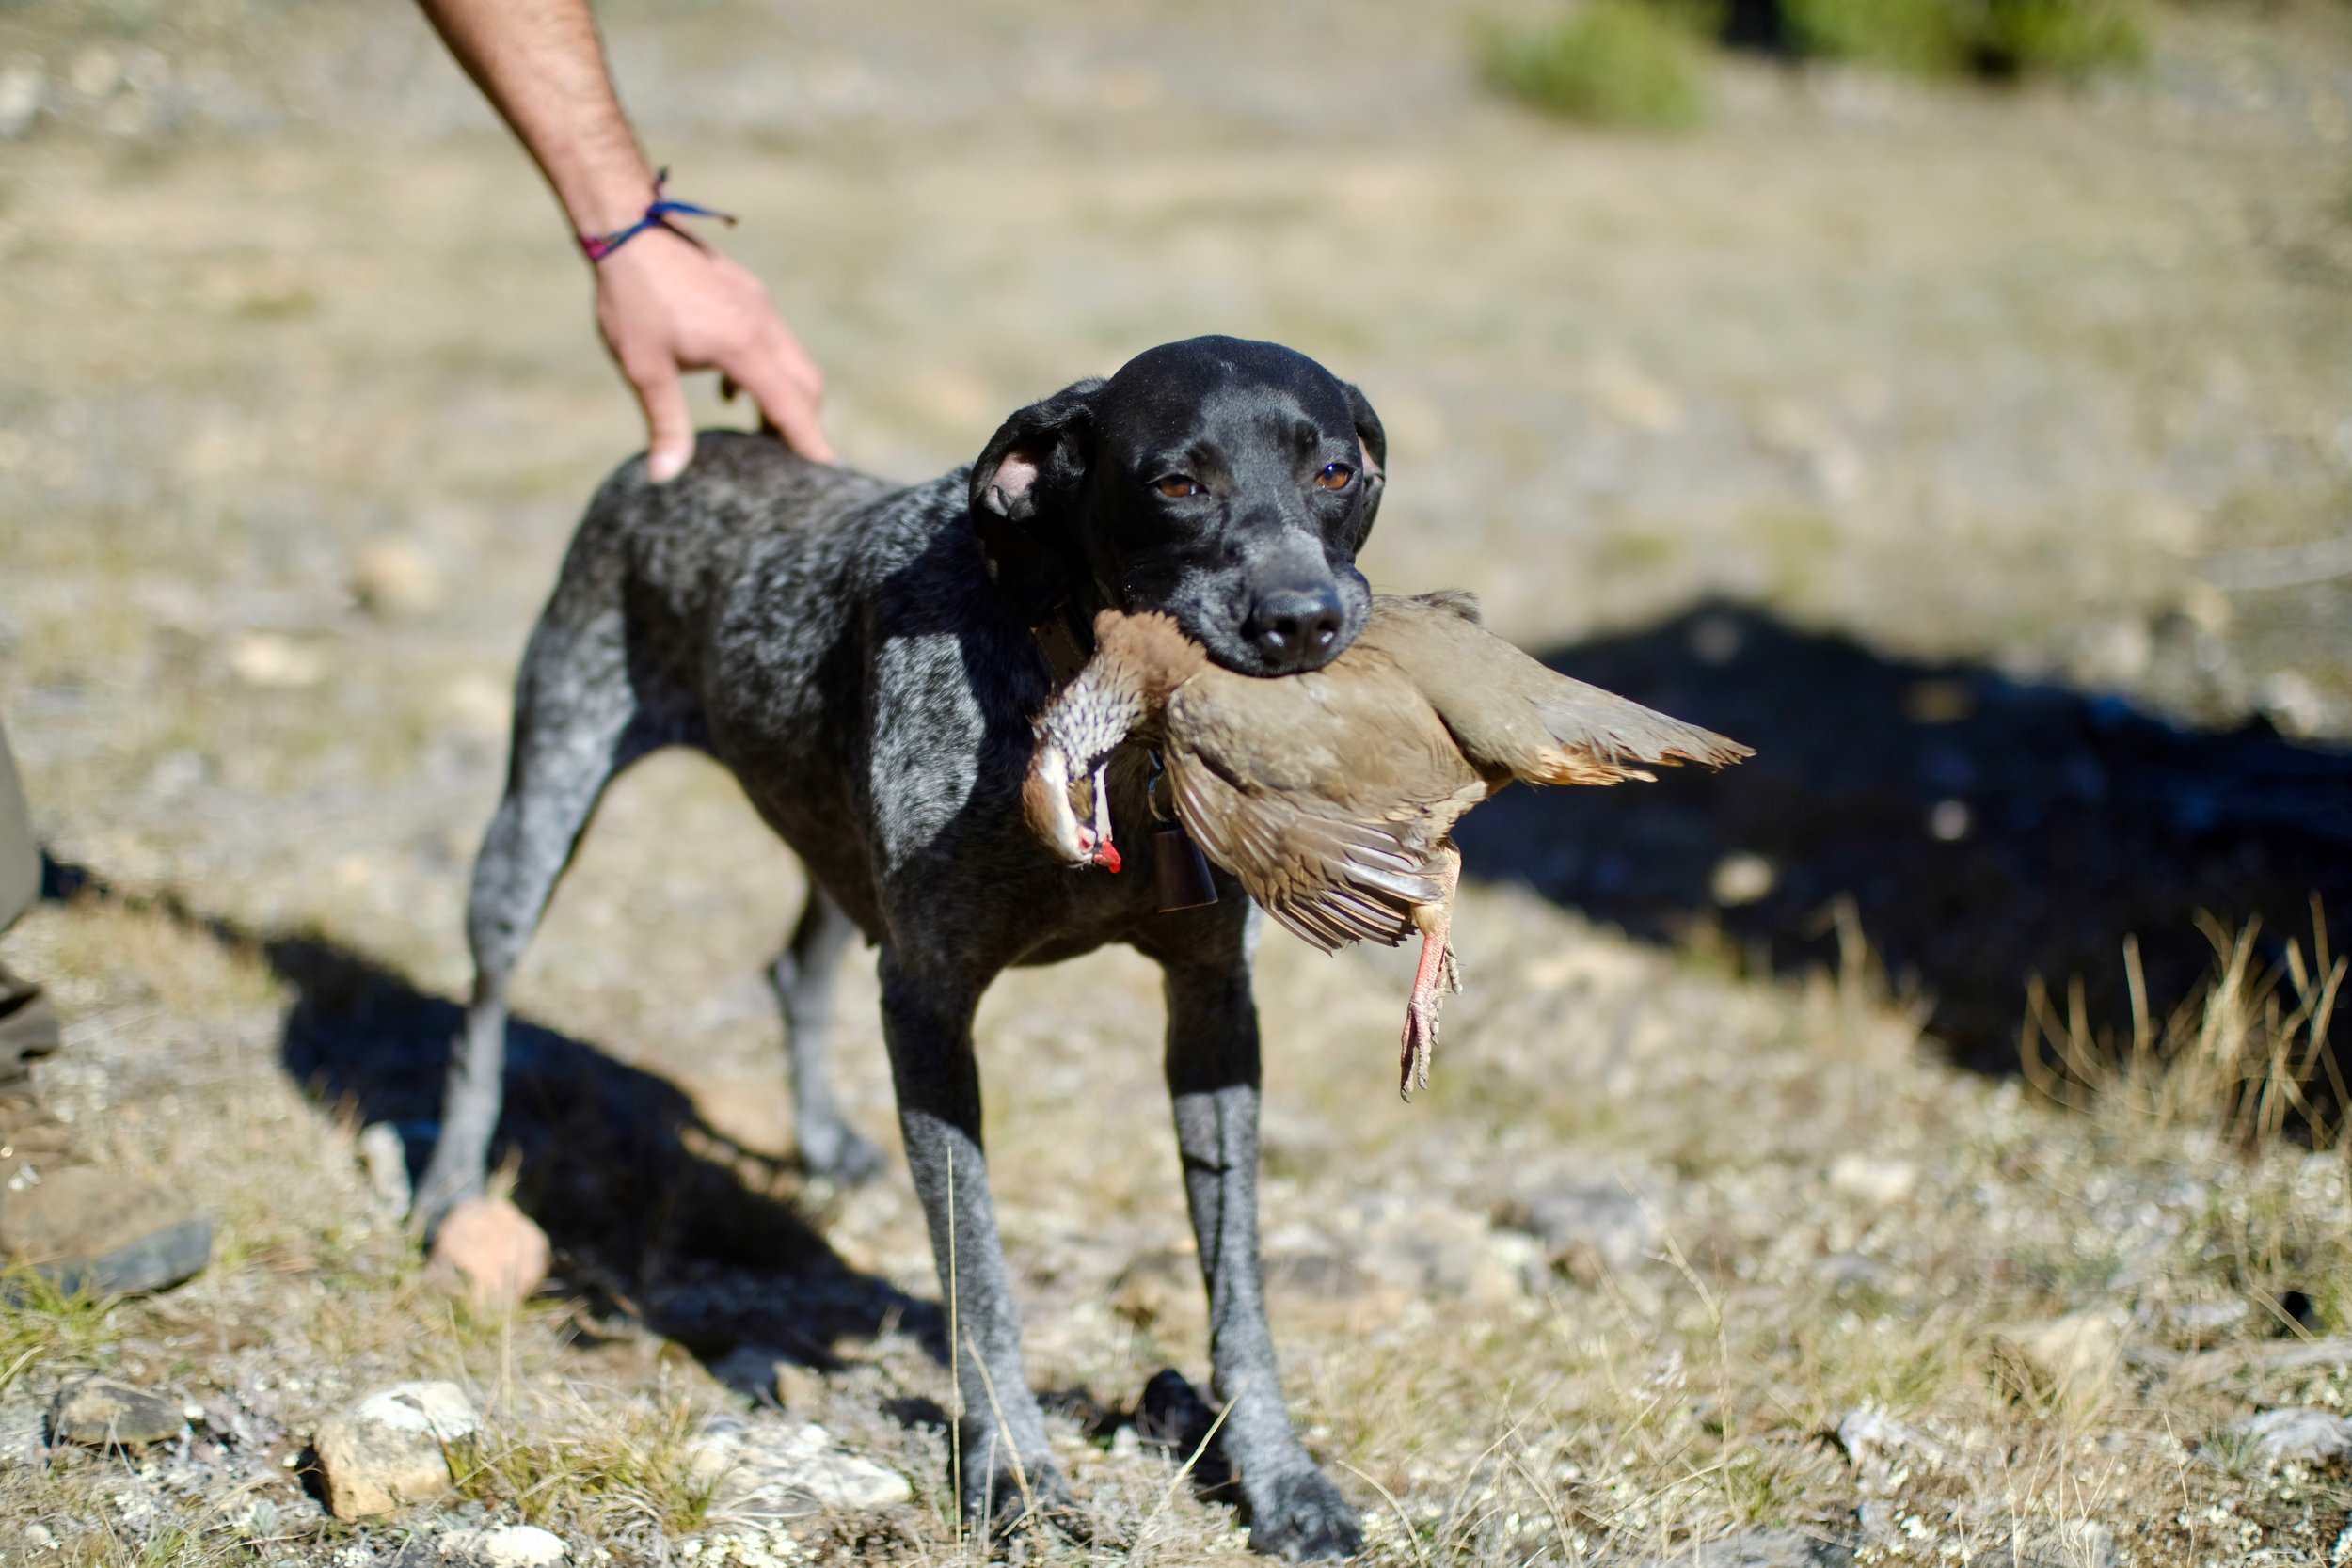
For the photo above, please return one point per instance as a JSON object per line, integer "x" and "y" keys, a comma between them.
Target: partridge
{"x": 1331, "y": 795}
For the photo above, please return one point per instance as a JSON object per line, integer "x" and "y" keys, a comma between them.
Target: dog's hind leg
{"x": 1295, "y": 1510}
{"x": 803, "y": 977}
{"x": 576, "y": 723}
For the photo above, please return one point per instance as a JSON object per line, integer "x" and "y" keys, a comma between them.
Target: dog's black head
{"x": 1227, "y": 483}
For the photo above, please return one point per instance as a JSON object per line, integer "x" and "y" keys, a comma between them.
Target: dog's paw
{"x": 1300, "y": 1516}
{"x": 838, "y": 1154}
{"x": 1022, "y": 1511}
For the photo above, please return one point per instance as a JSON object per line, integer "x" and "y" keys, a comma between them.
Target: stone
{"x": 2203, "y": 1324}
{"x": 1882, "y": 1447}
{"x": 101, "y": 1413}
{"x": 769, "y": 1376}
{"x": 1155, "y": 1286}
{"x": 268, "y": 660}
{"x": 495, "y": 1249}
{"x": 1596, "y": 1215}
{"x": 2068, "y": 1361}
{"x": 383, "y": 1156}
{"x": 782, "y": 1469}
{"x": 393, "y": 577}
{"x": 22, "y": 90}
{"x": 1880, "y": 1183}
{"x": 503, "y": 1547}
{"x": 2296, "y": 1434}
{"x": 22, "y": 1425}
{"x": 1741, "y": 878}
{"x": 391, "y": 1448}
{"x": 1768, "y": 1548}
{"x": 85, "y": 1228}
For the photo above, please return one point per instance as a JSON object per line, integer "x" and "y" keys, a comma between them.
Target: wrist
{"x": 601, "y": 201}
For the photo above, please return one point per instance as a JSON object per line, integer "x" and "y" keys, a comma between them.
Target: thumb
{"x": 669, "y": 427}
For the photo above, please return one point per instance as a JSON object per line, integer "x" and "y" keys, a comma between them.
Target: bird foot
{"x": 1434, "y": 976}
{"x": 1420, "y": 1039}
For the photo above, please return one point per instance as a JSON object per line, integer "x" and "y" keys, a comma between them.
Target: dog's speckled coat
{"x": 864, "y": 667}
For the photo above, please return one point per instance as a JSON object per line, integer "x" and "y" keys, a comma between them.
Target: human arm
{"x": 663, "y": 304}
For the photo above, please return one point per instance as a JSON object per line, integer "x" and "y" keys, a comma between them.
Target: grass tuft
{"x": 2250, "y": 1055}
{"x": 1612, "y": 62}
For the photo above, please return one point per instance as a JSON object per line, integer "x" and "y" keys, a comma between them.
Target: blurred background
{"x": 1952, "y": 399}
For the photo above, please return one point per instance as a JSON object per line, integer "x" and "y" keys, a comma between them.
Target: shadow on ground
{"x": 1987, "y": 831}
{"x": 646, "y": 1203}
{"x": 652, "y": 1211}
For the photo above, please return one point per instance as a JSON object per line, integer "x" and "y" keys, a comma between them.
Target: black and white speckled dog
{"x": 863, "y": 658}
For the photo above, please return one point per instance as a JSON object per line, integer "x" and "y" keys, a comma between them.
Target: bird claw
{"x": 1419, "y": 1041}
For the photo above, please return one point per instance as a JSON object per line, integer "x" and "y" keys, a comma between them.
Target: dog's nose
{"x": 1295, "y": 628}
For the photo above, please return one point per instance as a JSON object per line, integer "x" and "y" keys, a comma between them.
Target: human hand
{"x": 666, "y": 306}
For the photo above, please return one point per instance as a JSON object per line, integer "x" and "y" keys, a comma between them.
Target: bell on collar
{"x": 1180, "y": 870}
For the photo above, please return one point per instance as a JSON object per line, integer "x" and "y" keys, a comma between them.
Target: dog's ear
{"x": 1039, "y": 451}
{"x": 1371, "y": 441}
{"x": 1036, "y": 458}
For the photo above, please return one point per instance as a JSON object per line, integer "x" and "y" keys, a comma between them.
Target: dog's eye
{"x": 1335, "y": 476}
{"x": 1177, "y": 486}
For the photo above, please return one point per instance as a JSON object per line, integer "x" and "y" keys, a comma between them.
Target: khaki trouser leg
{"x": 20, "y": 858}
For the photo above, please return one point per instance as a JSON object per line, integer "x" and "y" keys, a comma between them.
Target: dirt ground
{"x": 1982, "y": 458}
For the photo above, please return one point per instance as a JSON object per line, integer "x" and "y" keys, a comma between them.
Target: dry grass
{"x": 1866, "y": 354}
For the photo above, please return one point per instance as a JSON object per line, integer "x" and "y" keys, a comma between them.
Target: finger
{"x": 788, "y": 402}
{"x": 669, "y": 425}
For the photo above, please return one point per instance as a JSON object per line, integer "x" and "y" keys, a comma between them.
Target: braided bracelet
{"x": 657, "y": 215}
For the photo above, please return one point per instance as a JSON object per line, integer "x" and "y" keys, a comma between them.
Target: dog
{"x": 867, "y": 661}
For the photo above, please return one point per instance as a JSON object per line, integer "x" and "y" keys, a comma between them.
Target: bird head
{"x": 1138, "y": 660}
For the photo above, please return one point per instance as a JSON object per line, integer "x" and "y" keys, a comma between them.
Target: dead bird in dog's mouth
{"x": 1331, "y": 795}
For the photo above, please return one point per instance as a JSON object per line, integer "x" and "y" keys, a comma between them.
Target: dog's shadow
{"x": 1984, "y": 830}
{"x": 648, "y": 1205}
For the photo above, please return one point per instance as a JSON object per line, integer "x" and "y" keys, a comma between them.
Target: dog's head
{"x": 1229, "y": 483}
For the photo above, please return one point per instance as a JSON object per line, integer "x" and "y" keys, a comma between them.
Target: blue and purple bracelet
{"x": 656, "y": 216}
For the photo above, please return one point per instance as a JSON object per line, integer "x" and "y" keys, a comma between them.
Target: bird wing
{"x": 1512, "y": 717}
{"x": 1328, "y": 794}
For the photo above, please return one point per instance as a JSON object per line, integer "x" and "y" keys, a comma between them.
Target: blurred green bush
{"x": 1992, "y": 38}
{"x": 1643, "y": 62}
{"x": 1609, "y": 62}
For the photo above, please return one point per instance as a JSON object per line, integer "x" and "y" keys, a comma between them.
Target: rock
{"x": 1768, "y": 1549}
{"x": 265, "y": 658}
{"x": 2298, "y": 1435}
{"x": 1881, "y": 1447}
{"x": 384, "y": 1155}
{"x": 22, "y": 90}
{"x": 1880, "y": 1183}
{"x": 770, "y": 1377}
{"x": 503, "y": 1547}
{"x": 1429, "y": 1245}
{"x": 2203, "y": 1324}
{"x": 1741, "y": 878}
{"x": 391, "y": 1448}
{"x": 393, "y": 577}
{"x": 100, "y": 1412}
{"x": 2069, "y": 1361}
{"x": 86, "y": 1229}
{"x": 95, "y": 71}
{"x": 1154, "y": 1285}
{"x": 495, "y": 1248}
{"x": 774, "y": 1469}
{"x": 1597, "y": 1217}
{"x": 22, "y": 1425}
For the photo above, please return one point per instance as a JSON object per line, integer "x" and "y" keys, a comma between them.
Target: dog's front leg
{"x": 1001, "y": 1453}
{"x": 1295, "y": 1510}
